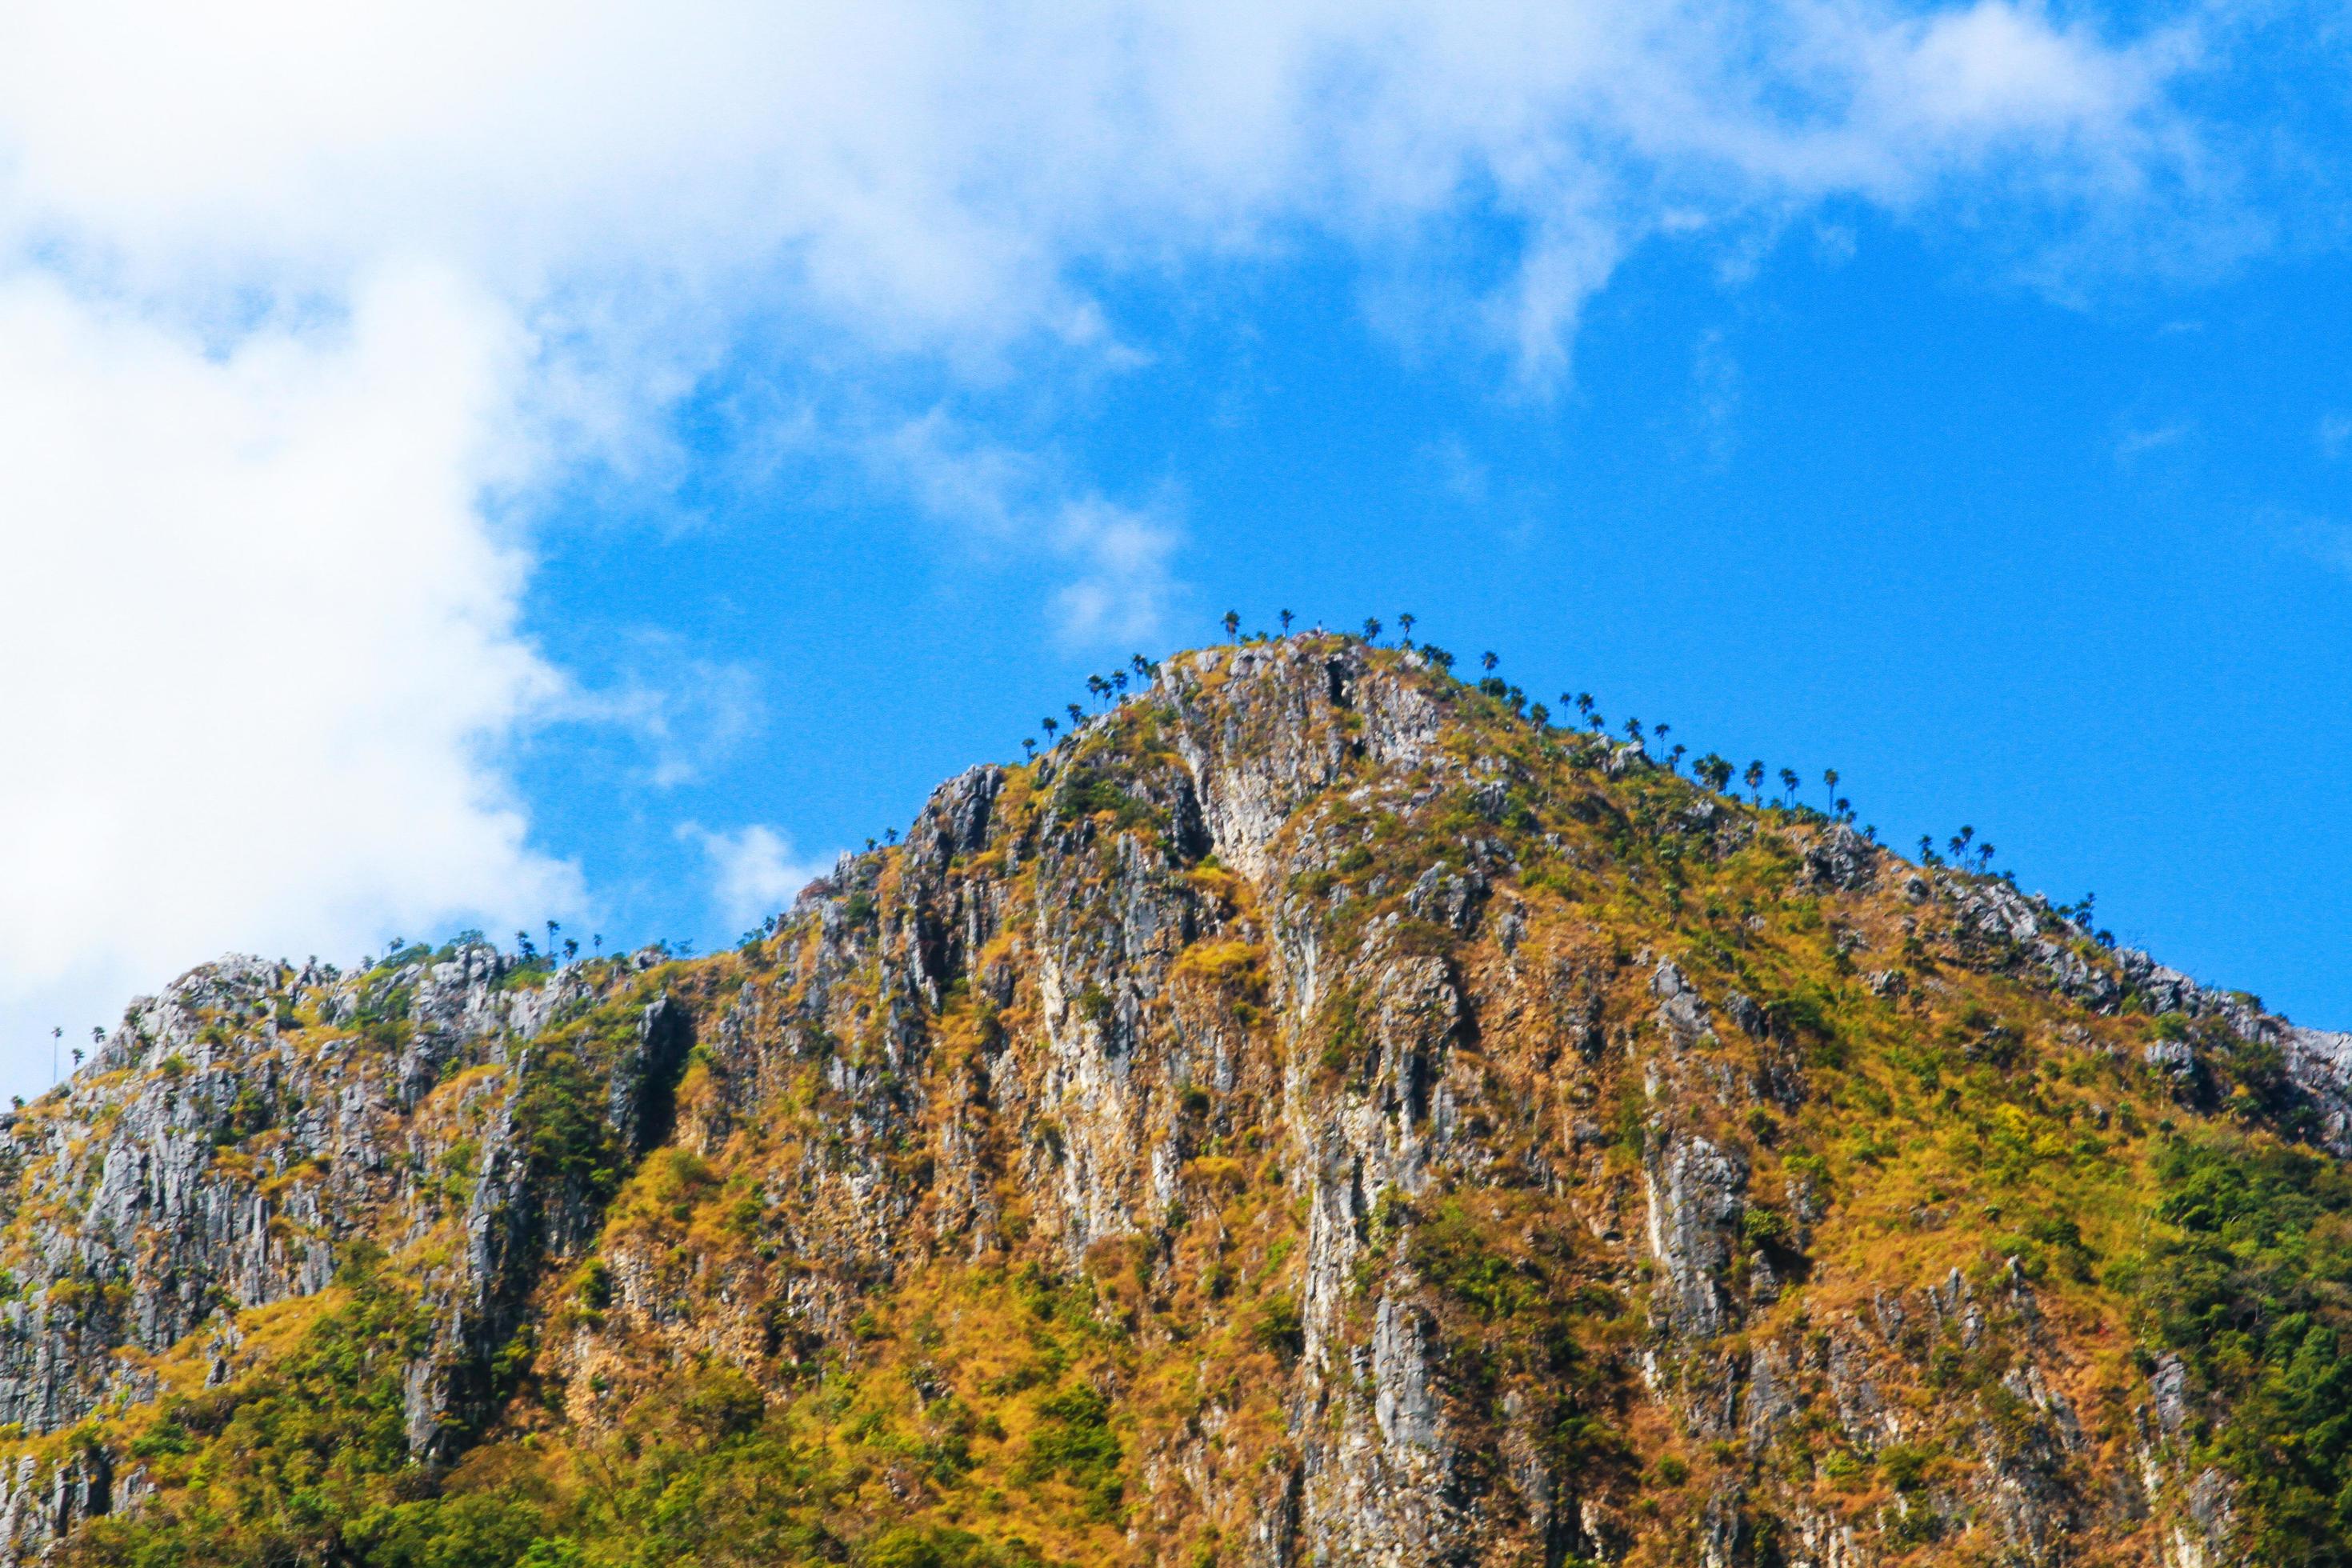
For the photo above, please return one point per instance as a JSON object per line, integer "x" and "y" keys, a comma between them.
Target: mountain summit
{"x": 1314, "y": 1114}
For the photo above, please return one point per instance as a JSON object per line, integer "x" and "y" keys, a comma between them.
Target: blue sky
{"x": 471, "y": 471}
{"x": 2068, "y": 575}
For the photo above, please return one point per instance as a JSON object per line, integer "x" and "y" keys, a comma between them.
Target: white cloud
{"x": 261, "y": 639}
{"x": 929, "y": 174}
{"x": 753, "y": 873}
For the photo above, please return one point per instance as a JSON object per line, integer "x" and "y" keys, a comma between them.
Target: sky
{"x": 470, "y": 466}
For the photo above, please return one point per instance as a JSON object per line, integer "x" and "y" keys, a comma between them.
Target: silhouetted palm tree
{"x": 1233, "y": 624}
{"x": 1285, "y": 617}
{"x": 1754, "y": 778}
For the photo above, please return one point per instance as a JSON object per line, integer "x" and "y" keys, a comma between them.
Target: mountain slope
{"x": 1313, "y": 1114}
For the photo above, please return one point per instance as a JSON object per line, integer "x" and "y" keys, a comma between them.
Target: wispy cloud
{"x": 687, "y": 712}
{"x": 754, "y": 872}
{"x": 2333, "y": 435}
{"x": 1115, "y": 559}
{"x": 1460, "y": 475}
{"x": 2138, "y": 441}
{"x": 2321, "y": 539}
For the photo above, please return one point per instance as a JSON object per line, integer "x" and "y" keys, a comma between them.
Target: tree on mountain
{"x": 1713, "y": 771}
{"x": 1371, "y": 629}
{"x": 1633, "y": 731}
{"x": 1286, "y": 618}
{"x": 1141, "y": 666}
{"x": 1661, "y": 731}
{"x": 1029, "y": 748}
{"x": 1438, "y": 657}
{"x": 524, "y": 946}
{"x": 1829, "y": 777}
{"x": 551, "y": 928}
{"x": 1077, "y": 714}
{"x": 1583, "y": 701}
{"x": 1928, "y": 856}
{"x": 1958, "y": 845}
{"x": 1050, "y": 724}
{"x": 1233, "y": 624}
{"x": 571, "y": 949}
{"x": 1118, "y": 682}
{"x": 1404, "y": 627}
{"x": 1789, "y": 781}
{"x": 1097, "y": 686}
{"x": 1542, "y": 716}
{"x": 1674, "y": 757}
{"x": 1487, "y": 661}
{"x": 1754, "y": 779}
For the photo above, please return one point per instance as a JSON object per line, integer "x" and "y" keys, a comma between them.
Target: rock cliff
{"x": 1311, "y": 1115}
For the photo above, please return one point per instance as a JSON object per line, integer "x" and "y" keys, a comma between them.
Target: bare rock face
{"x": 226, "y": 1148}
{"x": 1308, "y": 1117}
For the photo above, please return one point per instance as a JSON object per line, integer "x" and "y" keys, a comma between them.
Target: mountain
{"x": 1314, "y": 1114}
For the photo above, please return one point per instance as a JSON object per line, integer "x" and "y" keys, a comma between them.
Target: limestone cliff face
{"x": 1472, "y": 1143}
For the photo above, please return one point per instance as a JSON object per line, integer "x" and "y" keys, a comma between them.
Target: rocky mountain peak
{"x": 1313, "y": 1113}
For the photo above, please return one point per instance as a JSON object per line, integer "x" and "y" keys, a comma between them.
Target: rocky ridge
{"x": 1311, "y": 1115}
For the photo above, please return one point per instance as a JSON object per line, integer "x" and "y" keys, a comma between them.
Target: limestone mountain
{"x": 1314, "y": 1114}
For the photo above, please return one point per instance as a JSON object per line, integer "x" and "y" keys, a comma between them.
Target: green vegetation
{"x": 2254, "y": 1293}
